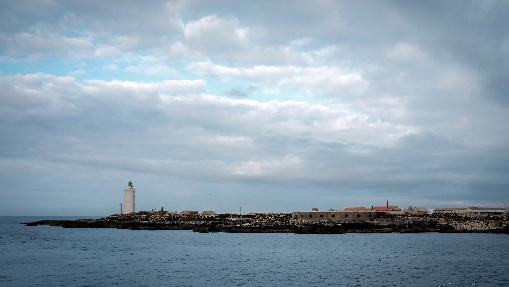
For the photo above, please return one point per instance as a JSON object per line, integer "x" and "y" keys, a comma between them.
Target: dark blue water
{"x": 52, "y": 256}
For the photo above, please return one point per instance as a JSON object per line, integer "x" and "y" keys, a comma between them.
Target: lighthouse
{"x": 129, "y": 199}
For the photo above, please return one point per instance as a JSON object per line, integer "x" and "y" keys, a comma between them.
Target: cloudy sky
{"x": 272, "y": 106}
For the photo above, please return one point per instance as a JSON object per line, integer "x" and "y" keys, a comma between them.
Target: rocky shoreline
{"x": 284, "y": 223}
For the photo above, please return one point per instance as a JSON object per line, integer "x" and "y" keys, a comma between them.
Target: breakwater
{"x": 283, "y": 222}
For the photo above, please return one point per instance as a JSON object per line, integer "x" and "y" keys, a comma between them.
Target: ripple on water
{"x": 102, "y": 257}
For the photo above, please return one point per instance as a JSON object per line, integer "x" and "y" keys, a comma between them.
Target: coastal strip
{"x": 286, "y": 223}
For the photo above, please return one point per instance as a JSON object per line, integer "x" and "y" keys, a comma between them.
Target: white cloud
{"x": 223, "y": 140}
{"x": 405, "y": 52}
{"x": 249, "y": 168}
{"x": 279, "y": 167}
{"x": 215, "y": 34}
{"x": 139, "y": 90}
{"x": 187, "y": 100}
{"x": 37, "y": 44}
{"x": 42, "y": 93}
{"x": 224, "y": 38}
{"x": 311, "y": 80}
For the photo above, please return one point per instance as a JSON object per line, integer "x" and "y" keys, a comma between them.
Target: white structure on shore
{"x": 129, "y": 199}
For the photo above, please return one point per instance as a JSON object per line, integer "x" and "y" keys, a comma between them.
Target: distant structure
{"x": 388, "y": 209}
{"x": 349, "y": 214}
{"x": 356, "y": 209}
{"x": 472, "y": 210}
{"x": 337, "y": 216}
{"x": 129, "y": 199}
{"x": 416, "y": 210}
{"x": 391, "y": 209}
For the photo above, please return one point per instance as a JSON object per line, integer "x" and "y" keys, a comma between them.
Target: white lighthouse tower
{"x": 129, "y": 199}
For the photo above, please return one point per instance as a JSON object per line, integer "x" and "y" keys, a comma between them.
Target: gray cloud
{"x": 146, "y": 130}
{"x": 327, "y": 104}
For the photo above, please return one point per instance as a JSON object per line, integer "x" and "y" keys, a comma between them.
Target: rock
{"x": 283, "y": 223}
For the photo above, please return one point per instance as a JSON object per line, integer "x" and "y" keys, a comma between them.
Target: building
{"x": 472, "y": 210}
{"x": 356, "y": 209}
{"x": 336, "y": 216}
{"x": 416, "y": 210}
{"x": 488, "y": 210}
{"x": 389, "y": 209}
{"x": 129, "y": 199}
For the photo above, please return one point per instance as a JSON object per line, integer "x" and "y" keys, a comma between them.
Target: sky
{"x": 264, "y": 105}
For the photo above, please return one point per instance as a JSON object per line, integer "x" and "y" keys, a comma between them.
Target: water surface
{"x": 53, "y": 256}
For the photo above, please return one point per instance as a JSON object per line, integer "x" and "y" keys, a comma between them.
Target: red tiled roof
{"x": 386, "y": 208}
{"x": 355, "y": 209}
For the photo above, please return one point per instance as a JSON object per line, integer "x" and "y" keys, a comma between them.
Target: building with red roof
{"x": 387, "y": 208}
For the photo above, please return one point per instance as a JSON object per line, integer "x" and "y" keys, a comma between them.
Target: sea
{"x": 54, "y": 256}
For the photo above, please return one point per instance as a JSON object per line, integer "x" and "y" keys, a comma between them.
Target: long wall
{"x": 472, "y": 210}
{"x": 336, "y": 216}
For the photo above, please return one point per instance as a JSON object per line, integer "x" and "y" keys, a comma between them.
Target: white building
{"x": 129, "y": 199}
